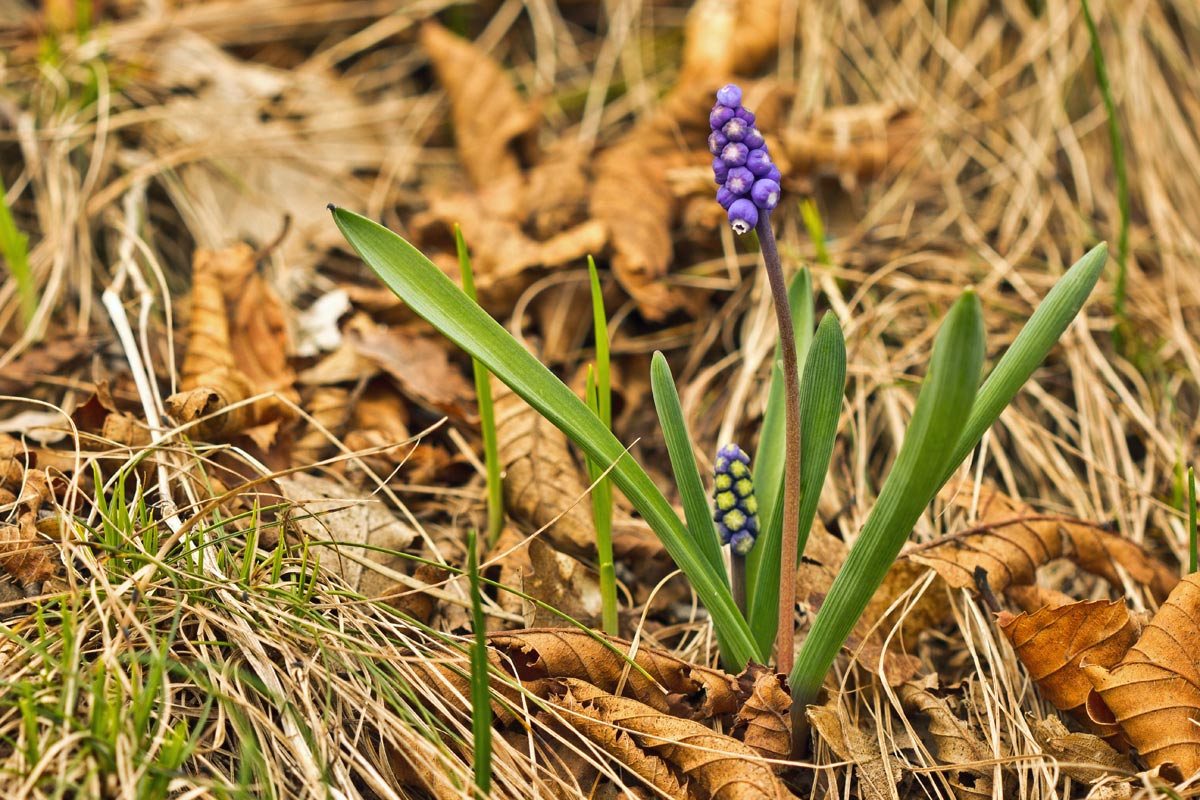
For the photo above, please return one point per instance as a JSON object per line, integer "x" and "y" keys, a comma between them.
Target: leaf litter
{"x": 940, "y": 151}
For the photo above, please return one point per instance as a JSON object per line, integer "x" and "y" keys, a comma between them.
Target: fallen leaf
{"x": 1153, "y": 694}
{"x": 542, "y": 482}
{"x": 952, "y": 739}
{"x": 23, "y": 553}
{"x": 764, "y": 720}
{"x": 352, "y": 527}
{"x": 677, "y": 756}
{"x": 329, "y": 409}
{"x": 1011, "y": 540}
{"x": 488, "y": 113}
{"x": 559, "y": 582}
{"x": 669, "y": 685}
{"x": 1053, "y": 642}
{"x": 876, "y": 779}
{"x": 1074, "y": 751}
{"x": 419, "y": 365}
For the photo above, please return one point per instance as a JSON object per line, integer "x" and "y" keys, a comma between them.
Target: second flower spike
{"x": 735, "y": 507}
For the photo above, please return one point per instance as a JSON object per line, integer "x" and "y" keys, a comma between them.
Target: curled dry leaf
{"x": 236, "y": 349}
{"x": 669, "y": 685}
{"x": 1153, "y": 694}
{"x": 764, "y": 719}
{"x": 1011, "y": 540}
{"x": 876, "y": 779}
{"x": 488, "y": 113}
{"x": 23, "y": 554}
{"x": 1053, "y": 642}
{"x": 1076, "y": 751}
{"x": 542, "y": 483}
{"x": 679, "y": 757}
{"x": 953, "y": 740}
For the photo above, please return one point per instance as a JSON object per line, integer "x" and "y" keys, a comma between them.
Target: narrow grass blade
{"x": 14, "y": 247}
{"x": 481, "y": 696}
{"x": 602, "y": 511}
{"x": 937, "y": 424}
{"x": 487, "y": 410}
{"x": 815, "y": 228}
{"x": 769, "y": 458}
{"x": 683, "y": 463}
{"x": 434, "y": 297}
{"x": 822, "y": 388}
{"x": 1029, "y": 349}
{"x": 1191, "y": 509}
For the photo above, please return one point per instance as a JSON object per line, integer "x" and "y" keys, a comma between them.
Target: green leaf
{"x": 937, "y": 424}
{"x": 822, "y": 388}
{"x": 1029, "y": 349}
{"x": 434, "y": 297}
{"x": 769, "y": 458}
{"x": 683, "y": 463}
{"x": 481, "y": 695}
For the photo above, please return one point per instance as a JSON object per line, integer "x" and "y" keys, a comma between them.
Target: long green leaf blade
{"x": 822, "y": 388}
{"x": 937, "y": 424}
{"x": 683, "y": 463}
{"x": 1029, "y": 349}
{"x": 434, "y": 297}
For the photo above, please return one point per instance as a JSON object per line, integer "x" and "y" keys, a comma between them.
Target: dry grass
{"x": 127, "y": 148}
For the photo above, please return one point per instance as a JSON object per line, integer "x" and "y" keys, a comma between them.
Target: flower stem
{"x": 785, "y": 634}
{"x": 737, "y": 581}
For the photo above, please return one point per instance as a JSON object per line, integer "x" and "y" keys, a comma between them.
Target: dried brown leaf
{"x": 328, "y": 407}
{"x": 23, "y": 553}
{"x": 542, "y": 481}
{"x": 953, "y": 740}
{"x": 876, "y": 779}
{"x": 488, "y": 112}
{"x": 764, "y": 720}
{"x": 562, "y": 583}
{"x": 420, "y": 366}
{"x": 1154, "y": 692}
{"x": 680, "y": 757}
{"x": 673, "y": 686}
{"x": 1076, "y": 750}
{"x": 1011, "y": 540}
{"x": 1053, "y": 642}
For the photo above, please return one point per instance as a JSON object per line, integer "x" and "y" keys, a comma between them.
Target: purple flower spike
{"x": 716, "y": 142}
{"x": 754, "y": 140}
{"x": 719, "y": 116}
{"x": 758, "y": 162}
{"x": 739, "y": 180}
{"x": 720, "y": 171}
{"x": 743, "y": 216}
{"x": 765, "y": 194}
{"x": 730, "y": 95}
{"x": 735, "y": 154}
{"x": 735, "y": 130}
{"x": 725, "y": 197}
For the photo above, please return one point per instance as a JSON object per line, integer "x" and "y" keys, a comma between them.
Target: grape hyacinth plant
{"x": 748, "y": 189}
{"x": 951, "y": 414}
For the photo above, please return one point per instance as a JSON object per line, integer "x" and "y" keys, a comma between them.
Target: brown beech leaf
{"x": 850, "y": 743}
{"x": 542, "y": 482}
{"x": 212, "y": 377}
{"x": 764, "y": 720}
{"x": 1011, "y": 540}
{"x": 329, "y": 407}
{"x": 488, "y": 112}
{"x": 349, "y": 525}
{"x": 673, "y": 686}
{"x": 1031, "y": 598}
{"x": 1053, "y": 642}
{"x": 953, "y": 740}
{"x": 420, "y": 366}
{"x": 44, "y": 360}
{"x": 23, "y": 553}
{"x": 1075, "y": 750}
{"x": 677, "y": 756}
{"x": 852, "y": 143}
{"x": 564, "y": 584}
{"x": 1154, "y": 692}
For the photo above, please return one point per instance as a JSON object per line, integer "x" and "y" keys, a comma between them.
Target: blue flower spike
{"x": 735, "y": 506}
{"x": 743, "y": 168}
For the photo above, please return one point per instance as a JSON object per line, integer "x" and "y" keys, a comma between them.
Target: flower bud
{"x": 735, "y": 130}
{"x": 730, "y": 95}
{"x": 734, "y": 154}
{"x": 720, "y": 170}
{"x": 754, "y": 140}
{"x": 719, "y": 116}
{"x": 725, "y": 197}
{"x": 765, "y": 194}
{"x": 743, "y": 216}
{"x": 717, "y": 142}
{"x": 739, "y": 180}
{"x": 758, "y": 162}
